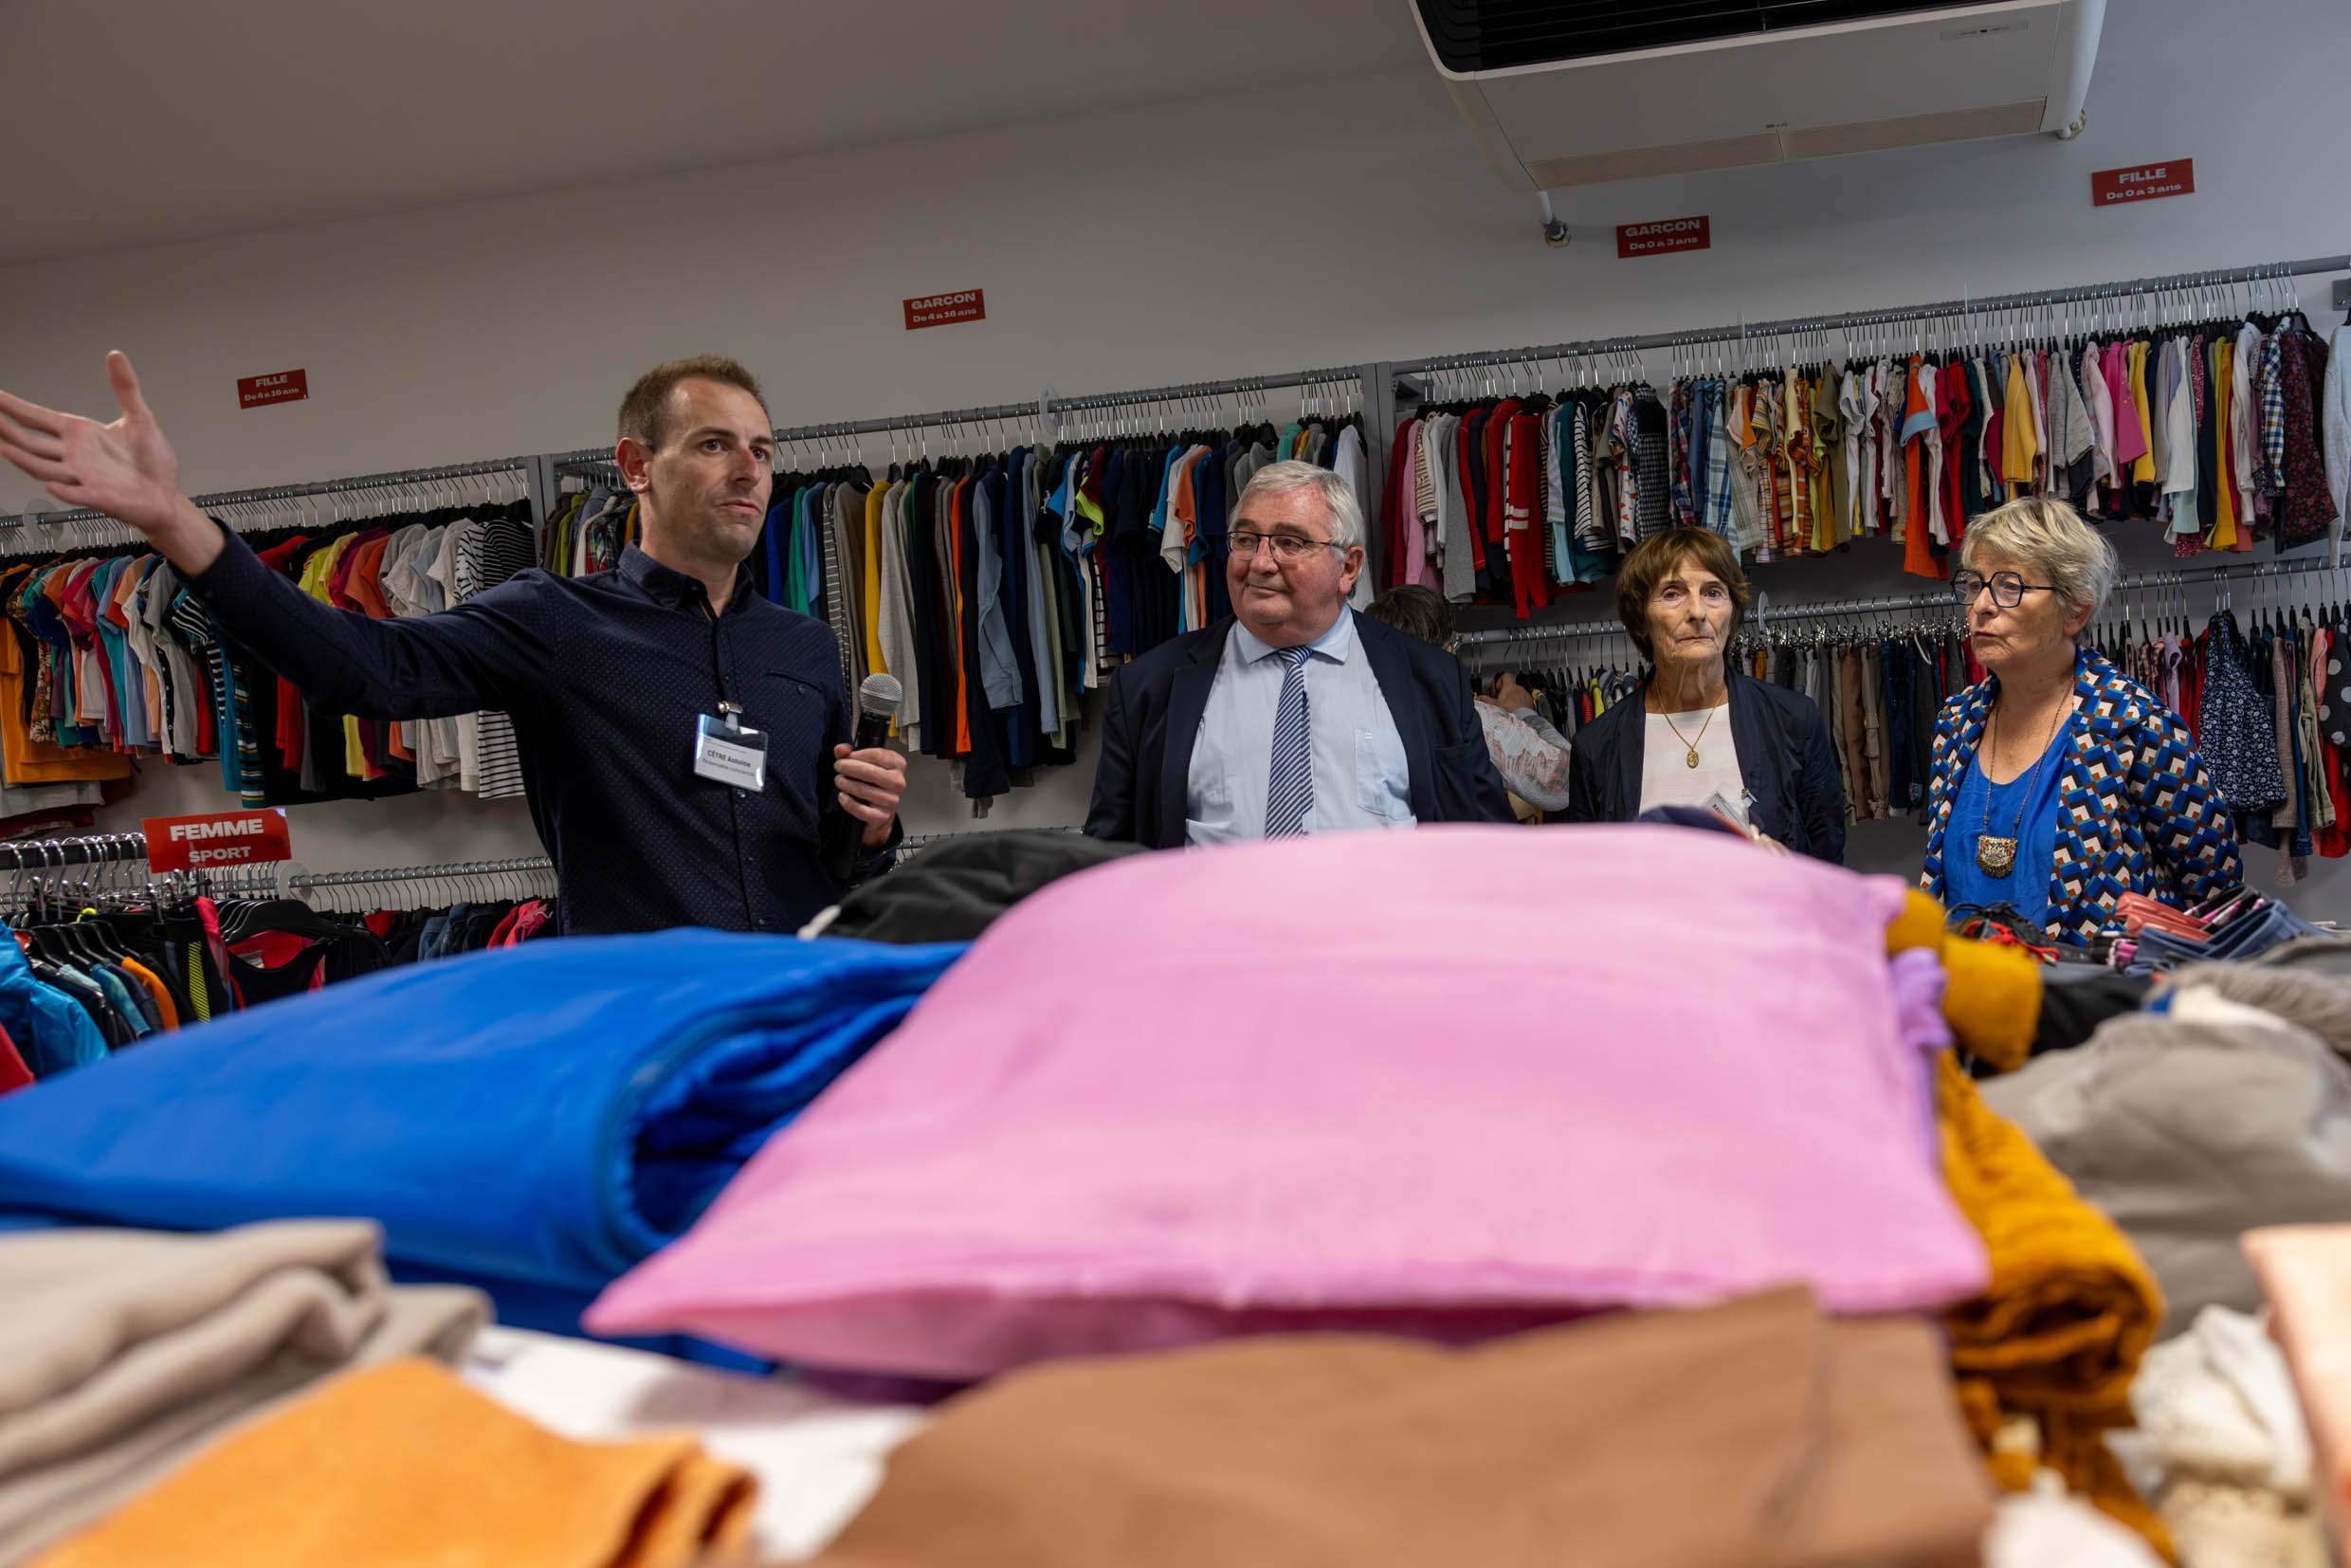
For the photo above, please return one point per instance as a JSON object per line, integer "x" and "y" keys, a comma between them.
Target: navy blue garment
{"x": 534, "y": 1121}
{"x": 605, "y": 675}
{"x": 1012, "y": 524}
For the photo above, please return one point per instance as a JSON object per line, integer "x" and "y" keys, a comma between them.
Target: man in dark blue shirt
{"x": 685, "y": 743}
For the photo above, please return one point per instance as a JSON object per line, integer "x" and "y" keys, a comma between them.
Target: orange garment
{"x": 165, "y": 1008}
{"x": 403, "y": 1464}
{"x": 1917, "y": 559}
{"x": 2043, "y": 1359}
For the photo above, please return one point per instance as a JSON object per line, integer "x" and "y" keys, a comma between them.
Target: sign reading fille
{"x": 277, "y": 386}
{"x": 1666, "y": 234}
{"x": 937, "y": 310}
{"x": 2144, "y": 183}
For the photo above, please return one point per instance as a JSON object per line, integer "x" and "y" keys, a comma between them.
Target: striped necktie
{"x": 1289, "y": 791}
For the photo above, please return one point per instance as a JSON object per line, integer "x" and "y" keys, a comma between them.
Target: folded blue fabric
{"x": 536, "y": 1120}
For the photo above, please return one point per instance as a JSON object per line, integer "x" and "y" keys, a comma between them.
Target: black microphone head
{"x": 880, "y": 695}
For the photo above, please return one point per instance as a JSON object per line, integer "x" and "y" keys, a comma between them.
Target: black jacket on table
{"x": 1143, "y": 784}
{"x": 604, "y": 677}
{"x": 1783, "y": 756}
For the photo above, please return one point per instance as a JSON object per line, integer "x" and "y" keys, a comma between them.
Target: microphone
{"x": 876, "y": 704}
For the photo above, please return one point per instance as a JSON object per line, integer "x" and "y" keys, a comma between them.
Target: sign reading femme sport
{"x": 217, "y": 839}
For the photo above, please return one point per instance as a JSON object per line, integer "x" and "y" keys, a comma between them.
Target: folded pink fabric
{"x": 1453, "y": 1082}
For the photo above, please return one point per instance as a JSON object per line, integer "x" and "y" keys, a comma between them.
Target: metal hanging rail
{"x": 393, "y": 480}
{"x": 1798, "y": 325}
{"x": 1900, "y": 602}
{"x": 1349, "y": 376}
{"x": 308, "y": 880}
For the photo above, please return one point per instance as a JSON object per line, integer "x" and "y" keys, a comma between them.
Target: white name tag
{"x": 737, "y": 757}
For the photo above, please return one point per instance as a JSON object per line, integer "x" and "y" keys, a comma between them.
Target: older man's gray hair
{"x": 1337, "y": 496}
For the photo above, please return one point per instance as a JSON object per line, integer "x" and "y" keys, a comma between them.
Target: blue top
{"x": 2027, "y": 883}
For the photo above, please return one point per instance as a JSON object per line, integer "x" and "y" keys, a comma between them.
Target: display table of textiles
{"x": 1668, "y": 1229}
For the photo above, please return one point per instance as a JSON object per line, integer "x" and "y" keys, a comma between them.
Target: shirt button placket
{"x": 723, "y": 643}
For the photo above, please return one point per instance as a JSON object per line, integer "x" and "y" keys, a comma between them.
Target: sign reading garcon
{"x": 937, "y": 310}
{"x": 1653, "y": 238}
{"x": 222, "y": 838}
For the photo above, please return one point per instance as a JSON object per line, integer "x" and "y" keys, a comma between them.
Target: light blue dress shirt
{"x": 1361, "y": 778}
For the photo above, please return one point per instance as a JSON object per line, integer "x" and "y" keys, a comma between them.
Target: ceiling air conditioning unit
{"x": 1574, "y": 92}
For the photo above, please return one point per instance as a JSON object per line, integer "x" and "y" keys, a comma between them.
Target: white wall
{"x": 1328, "y": 223}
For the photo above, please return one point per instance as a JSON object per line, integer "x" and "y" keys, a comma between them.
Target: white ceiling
{"x": 143, "y": 121}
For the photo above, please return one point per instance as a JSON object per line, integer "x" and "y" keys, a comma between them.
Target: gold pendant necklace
{"x": 1996, "y": 857}
{"x": 1690, "y": 757}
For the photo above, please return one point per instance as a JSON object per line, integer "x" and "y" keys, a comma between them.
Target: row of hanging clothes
{"x": 2204, "y": 411}
{"x": 111, "y": 657}
{"x": 107, "y": 956}
{"x": 2266, "y": 697}
{"x": 1001, "y": 581}
{"x": 1880, "y": 679}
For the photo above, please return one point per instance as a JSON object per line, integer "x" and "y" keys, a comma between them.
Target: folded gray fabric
{"x": 2307, "y": 994}
{"x": 2190, "y": 1127}
{"x": 129, "y": 1350}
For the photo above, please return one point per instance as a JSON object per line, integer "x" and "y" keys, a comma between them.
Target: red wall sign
{"x": 937, "y": 310}
{"x": 2144, "y": 183}
{"x": 284, "y": 387}
{"x": 225, "y": 838}
{"x": 1651, "y": 239}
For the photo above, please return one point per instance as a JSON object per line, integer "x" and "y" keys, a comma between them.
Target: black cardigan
{"x": 1784, "y": 759}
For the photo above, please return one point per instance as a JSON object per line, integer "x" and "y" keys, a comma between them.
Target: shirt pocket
{"x": 1383, "y": 779}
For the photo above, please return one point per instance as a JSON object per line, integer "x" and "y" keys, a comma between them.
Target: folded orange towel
{"x": 404, "y": 1465}
{"x": 2058, "y": 1333}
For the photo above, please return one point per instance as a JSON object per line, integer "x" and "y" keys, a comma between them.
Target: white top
{"x": 1666, "y": 777}
{"x": 1361, "y": 778}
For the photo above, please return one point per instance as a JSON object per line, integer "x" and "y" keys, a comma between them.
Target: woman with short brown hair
{"x": 1699, "y": 728}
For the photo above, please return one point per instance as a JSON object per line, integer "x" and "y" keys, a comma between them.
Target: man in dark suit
{"x": 1293, "y": 715}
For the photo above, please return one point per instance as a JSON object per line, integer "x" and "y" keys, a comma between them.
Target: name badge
{"x": 726, "y": 752}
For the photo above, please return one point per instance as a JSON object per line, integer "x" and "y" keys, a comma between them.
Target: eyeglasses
{"x": 2008, "y": 589}
{"x": 1286, "y": 547}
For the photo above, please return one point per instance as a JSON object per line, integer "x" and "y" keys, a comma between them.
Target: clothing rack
{"x": 1766, "y": 613}
{"x": 304, "y": 882}
{"x": 1045, "y": 406}
{"x": 1798, "y": 325}
{"x": 393, "y": 480}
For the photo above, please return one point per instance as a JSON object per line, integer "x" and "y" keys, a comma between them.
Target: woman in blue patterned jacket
{"x": 2057, "y": 785}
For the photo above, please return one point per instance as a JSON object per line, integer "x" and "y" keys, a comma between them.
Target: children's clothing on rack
{"x": 113, "y": 657}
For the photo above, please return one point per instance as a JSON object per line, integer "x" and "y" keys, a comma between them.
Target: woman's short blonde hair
{"x": 2048, "y": 538}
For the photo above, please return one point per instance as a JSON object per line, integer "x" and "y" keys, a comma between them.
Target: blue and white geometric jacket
{"x": 2137, "y": 813}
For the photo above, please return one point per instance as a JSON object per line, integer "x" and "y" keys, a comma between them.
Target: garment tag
{"x": 728, "y": 754}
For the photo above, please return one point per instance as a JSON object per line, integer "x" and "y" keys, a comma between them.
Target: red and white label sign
{"x": 1651, "y": 239}
{"x": 937, "y": 310}
{"x": 224, "y": 838}
{"x": 2145, "y": 183}
{"x": 284, "y": 387}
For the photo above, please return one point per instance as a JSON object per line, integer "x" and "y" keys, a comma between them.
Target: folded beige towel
{"x": 127, "y": 1350}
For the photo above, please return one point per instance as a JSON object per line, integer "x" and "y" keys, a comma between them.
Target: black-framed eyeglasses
{"x": 1286, "y": 547}
{"x": 2008, "y": 587}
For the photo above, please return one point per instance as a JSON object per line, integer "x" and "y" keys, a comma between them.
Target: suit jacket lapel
{"x": 1630, "y": 752}
{"x": 1391, "y": 668}
{"x": 1186, "y": 702}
